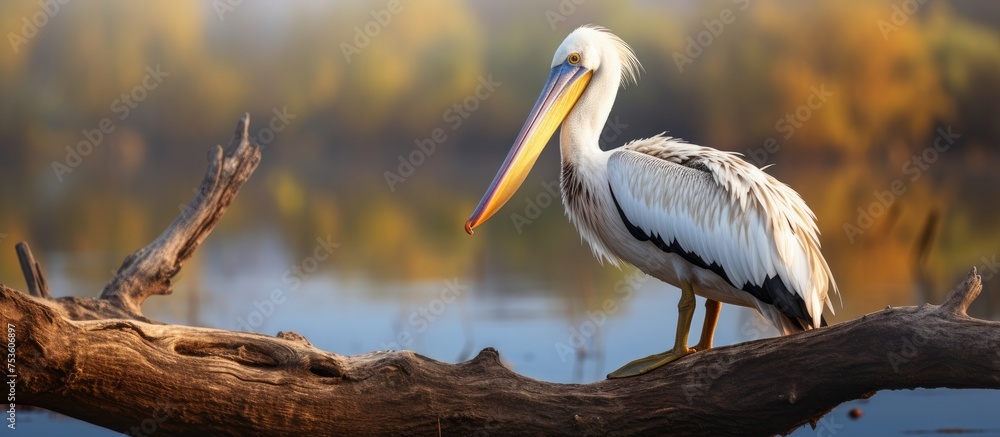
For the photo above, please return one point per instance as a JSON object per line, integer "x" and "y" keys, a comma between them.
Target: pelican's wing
{"x": 725, "y": 215}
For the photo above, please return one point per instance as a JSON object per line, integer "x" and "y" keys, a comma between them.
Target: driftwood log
{"x": 101, "y": 361}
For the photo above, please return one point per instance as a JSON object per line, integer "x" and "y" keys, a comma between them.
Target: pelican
{"x": 694, "y": 217}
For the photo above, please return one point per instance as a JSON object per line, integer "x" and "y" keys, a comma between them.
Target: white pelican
{"x": 695, "y": 217}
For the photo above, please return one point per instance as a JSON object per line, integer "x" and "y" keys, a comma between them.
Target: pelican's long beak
{"x": 565, "y": 85}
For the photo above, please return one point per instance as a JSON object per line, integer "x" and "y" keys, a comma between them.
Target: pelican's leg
{"x": 685, "y": 310}
{"x": 712, "y": 308}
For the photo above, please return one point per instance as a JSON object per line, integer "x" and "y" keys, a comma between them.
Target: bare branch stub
{"x": 958, "y": 301}
{"x": 149, "y": 270}
{"x": 32, "y": 272}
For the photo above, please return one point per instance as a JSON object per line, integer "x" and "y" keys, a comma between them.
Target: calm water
{"x": 452, "y": 319}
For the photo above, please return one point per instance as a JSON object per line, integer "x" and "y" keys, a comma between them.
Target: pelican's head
{"x": 587, "y": 63}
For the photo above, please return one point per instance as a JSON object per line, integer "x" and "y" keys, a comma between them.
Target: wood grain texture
{"x": 102, "y": 361}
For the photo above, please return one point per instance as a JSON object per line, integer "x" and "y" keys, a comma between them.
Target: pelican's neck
{"x": 581, "y": 130}
{"x": 584, "y": 167}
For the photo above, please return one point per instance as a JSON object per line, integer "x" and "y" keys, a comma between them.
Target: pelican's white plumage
{"x": 724, "y": 210}
{"x": 695, "y": 217}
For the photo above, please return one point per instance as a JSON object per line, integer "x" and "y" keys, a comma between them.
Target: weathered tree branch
{"x": 101, "y": 361}
{"x": 120, "y": 373}
{"x": 148, "y": 271}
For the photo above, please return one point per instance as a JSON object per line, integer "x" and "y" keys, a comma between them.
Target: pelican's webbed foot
{"x": 643, "y": 365}
{"x": 685, "y": 311}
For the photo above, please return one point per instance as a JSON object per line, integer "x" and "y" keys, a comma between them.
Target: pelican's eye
{"x": 574, "y": 58}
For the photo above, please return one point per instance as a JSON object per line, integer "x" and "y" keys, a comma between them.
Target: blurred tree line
{"x": 891, "y": 74}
